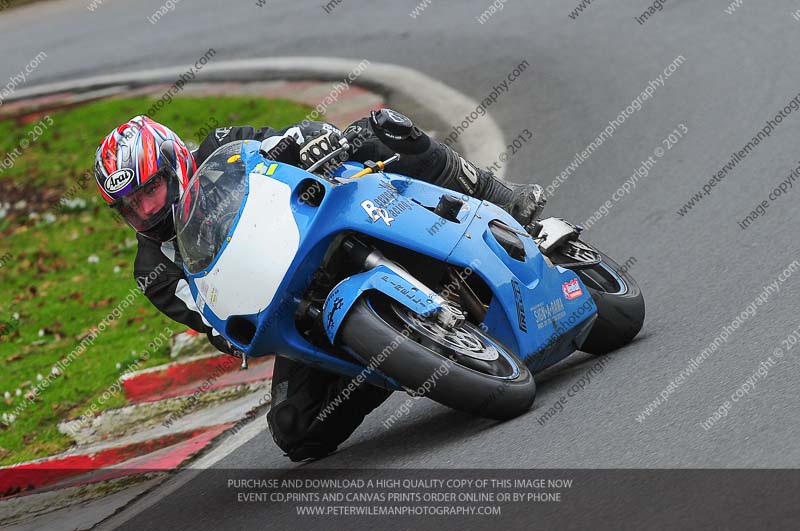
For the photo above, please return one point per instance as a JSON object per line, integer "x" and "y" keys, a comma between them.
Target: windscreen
{"x": 209, "y": 206}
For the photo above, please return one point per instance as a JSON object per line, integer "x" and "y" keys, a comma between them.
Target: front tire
{"x": 457, "y": 371}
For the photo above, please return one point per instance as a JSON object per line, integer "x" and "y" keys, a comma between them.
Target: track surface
{"x": 698, "y": 272}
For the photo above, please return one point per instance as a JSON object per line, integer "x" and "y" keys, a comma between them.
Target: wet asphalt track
{"x": 698, "y": 272}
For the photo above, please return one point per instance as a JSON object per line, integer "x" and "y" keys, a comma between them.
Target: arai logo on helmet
{"x": 119, "y": 180}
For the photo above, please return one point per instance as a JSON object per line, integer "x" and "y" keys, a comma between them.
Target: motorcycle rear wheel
{"x": 620, "y": 305}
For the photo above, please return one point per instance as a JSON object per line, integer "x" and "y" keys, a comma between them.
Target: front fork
{"x": 385, "y": 276}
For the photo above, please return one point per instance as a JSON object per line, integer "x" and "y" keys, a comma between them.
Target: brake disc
{"x": 459, "y": 340}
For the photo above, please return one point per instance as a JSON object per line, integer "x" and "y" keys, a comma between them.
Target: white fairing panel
{"x": 247, "y": 275}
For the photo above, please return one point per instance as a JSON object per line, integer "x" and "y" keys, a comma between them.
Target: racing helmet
{"x": 141, "y": 169}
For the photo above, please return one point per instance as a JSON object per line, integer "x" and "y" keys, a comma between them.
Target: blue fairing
{"x": 537, "y": 310}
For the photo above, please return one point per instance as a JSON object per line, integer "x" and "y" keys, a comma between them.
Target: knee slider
{"x": 284, "y": 420}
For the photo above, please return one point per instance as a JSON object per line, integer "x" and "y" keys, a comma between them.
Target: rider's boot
{"x": 386, "y": 132}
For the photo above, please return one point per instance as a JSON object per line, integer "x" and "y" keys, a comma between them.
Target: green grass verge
{"x": 63, "y": 273}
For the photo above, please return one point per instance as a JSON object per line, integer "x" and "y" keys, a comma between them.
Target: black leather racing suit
{"x": 300, "y": 393}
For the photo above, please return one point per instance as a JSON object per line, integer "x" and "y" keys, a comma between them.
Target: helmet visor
{"x": 150, "y": 202}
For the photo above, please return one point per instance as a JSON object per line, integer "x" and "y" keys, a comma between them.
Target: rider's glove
{"x": 320, "y": 147}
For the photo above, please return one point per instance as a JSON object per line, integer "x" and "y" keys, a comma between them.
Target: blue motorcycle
{"x": 393, "y": 281}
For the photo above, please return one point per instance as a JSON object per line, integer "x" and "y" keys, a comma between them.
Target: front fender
{"x": 392, "y": 282}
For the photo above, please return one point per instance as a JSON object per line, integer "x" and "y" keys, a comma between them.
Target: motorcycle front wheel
{"x": 462, "y": 367}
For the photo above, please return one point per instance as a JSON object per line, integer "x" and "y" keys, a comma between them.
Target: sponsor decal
{"x": 521, "y": 321}
{"x": 572, "y": 289}
{"x": 392, "y": 203}
{"x": 119, "y": 180}
{"x": 414, "y": 295}
{"x": 234, "y": 158}
{"x": 338, "y": 303}
{"x": 203, "y": 287}
{"x": 263, "y": 169}
{"x": 398, "y": 208}
{"x": 376, "y": 213}
{"x": 221, "y": 133}
{"x": 385, "y": 199}
{"x": 391, "y": 200}
{"x": 548, "y": 312}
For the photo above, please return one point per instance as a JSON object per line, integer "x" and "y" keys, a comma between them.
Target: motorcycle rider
{"x": 142, "y": 167}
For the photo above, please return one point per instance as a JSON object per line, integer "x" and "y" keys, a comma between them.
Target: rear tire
{"x": 377, "y": 331}
{"x": 620, "y": 306}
